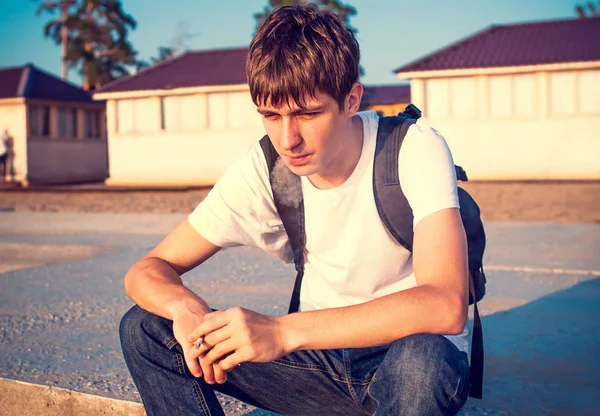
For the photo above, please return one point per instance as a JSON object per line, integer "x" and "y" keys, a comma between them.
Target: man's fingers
{"x": 212, "y": 321}
{"x": 212, "y": 339}
{"x": 208, "y": 370}
{"x": 220, "y": 374}
{"x": 220, "y": 350}
{"x": 231, "y": 361}
{"x": 193, "y": 365}
{"x": 200, "y": 352}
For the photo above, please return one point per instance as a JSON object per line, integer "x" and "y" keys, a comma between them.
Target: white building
{"x": 183, "y": 121}
{"x": 57, "y": 129}
{"x": 517, "y": 101}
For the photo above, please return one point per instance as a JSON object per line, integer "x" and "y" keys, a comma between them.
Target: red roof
{"x": 9, "y": 82}
{"x": 192, "y": 69}
{"x": 386, "y": 94}
{"x": 30, "y": 82}
{"x": 536, "y": 43}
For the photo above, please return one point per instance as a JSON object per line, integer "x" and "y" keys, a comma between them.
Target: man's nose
{"x": 290, "y": 136}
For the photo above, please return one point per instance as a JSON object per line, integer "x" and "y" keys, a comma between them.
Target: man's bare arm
{"x": 154, "y": 282}
{"x": 438, "y": 305}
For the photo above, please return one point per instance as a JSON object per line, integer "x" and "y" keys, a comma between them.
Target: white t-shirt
{"x": 350, "y": 256}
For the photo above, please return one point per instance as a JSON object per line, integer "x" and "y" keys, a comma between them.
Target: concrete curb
{"x": 19, "y": 398}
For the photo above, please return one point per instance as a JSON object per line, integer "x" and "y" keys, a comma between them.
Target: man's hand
{"x": 184, "y": 321}
{"x": 239, "y": 335}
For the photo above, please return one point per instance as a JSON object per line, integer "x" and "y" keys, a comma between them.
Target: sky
{"x": 391, "y": 33}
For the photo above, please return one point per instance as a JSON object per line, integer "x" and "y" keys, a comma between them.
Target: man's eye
{"x": 270, "y": 116}
{"x": 309, "y": 115}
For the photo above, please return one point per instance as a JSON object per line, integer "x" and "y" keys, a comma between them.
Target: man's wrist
{"x": 293, "y": 337}
{"x": 176, "y": 307}
{"x": 186, "y": 301}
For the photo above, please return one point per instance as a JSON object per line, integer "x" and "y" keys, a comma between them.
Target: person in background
{"x": 6, "y": 146}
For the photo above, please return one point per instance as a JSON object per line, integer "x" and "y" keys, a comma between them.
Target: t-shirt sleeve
{"x": 231, "y": 214}
{"x": 426, "y": 170}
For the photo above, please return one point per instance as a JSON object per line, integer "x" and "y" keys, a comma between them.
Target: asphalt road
{"x": 61, "y": 299}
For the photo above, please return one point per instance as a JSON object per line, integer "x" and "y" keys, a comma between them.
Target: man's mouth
{"x": 297, "y": 160}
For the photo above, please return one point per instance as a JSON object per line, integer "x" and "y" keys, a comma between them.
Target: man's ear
{"x": 353, "y": 99}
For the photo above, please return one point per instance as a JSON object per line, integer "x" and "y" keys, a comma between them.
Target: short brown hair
{"x": 299, "y": 50}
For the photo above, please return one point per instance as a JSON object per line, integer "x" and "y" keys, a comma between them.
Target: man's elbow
{"x": 128, "y": 281}
{"x": 457, "y": 313}
{"x": 130, "y": 277}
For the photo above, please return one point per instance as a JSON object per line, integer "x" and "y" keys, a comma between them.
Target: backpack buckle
{"x": 461, "y": 175}
{"x": 413, "y": 111}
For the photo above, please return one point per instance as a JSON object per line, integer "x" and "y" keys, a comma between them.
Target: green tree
{"x": 587, "y": 10}
{"x": 344, "y": 11}
{"x": 96, "y": 39}
{"x": 57, "y": 28}
{"x": 164, "y": 54}
{"x": 100, "y": 46}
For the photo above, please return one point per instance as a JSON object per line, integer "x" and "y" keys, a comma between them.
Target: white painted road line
{"x": 543, "y": 270}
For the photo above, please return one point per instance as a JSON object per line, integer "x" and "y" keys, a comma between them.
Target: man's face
{"x": 310, "y": 139}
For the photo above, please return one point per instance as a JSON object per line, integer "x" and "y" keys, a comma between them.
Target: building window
{"x": 34, "y": 121}
{"x": 512, "y": 95}
{"x": 525, "y": 95}
{"x": 227, "y": 110}
{"x": 93, "y": 123}
{"x": 39, "y": 121}
{"x": 454, "y": 97}
{"x": 62, "y": 122}
{"x": 562, "y": 93}
{"x": 589, "y": 92}
{"x": 217, "y": 111}
{"x": 181, "y": 113}
{"x": 67, "y": 123}
{"x": 72, "y": 128}
{"x": 500, "y": 96}
{"x": 437, "y": 98}
{"x": 136, "y": 115}
{"x": 45, "y": 118}
{"x": 463, "y": 97}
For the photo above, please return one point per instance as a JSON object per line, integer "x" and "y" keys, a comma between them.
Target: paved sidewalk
{"x": 61, "y": 298}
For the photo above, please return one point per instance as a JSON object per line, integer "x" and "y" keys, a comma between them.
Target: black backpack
{"x": 396, "y": 214}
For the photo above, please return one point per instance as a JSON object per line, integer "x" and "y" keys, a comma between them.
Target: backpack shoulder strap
{"x": 397, "y": 216}
{"x": 393, "y": 207}
{"x": 292, "y": 215}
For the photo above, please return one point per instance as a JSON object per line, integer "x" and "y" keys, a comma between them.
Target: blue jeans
{"x": 417, "y": 375}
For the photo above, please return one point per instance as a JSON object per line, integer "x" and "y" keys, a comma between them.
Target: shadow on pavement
{"x": 544, "y": 357}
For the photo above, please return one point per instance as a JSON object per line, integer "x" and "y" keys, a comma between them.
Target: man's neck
{"x": 345, "y": 162}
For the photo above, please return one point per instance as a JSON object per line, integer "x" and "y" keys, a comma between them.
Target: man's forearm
{"x": 156, "y": 287}
{"x": 423, "y": 309}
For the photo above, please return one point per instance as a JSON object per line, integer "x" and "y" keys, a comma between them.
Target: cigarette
{"x": 198, "y": 342}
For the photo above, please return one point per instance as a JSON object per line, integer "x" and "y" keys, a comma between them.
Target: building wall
{"x": 13, "y": 119}
{"x": 66, "y": 142}
{"x": 62, "y": 162}
{"x": 538, "y": 125}
{"x": 185, "y": 139}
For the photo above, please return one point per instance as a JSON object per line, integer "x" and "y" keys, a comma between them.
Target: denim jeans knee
{"x": 156, "y": 364}
{"x": 422, "y": 374}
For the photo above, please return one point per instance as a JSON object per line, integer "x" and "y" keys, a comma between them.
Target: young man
{"x": 380, "y": 331}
